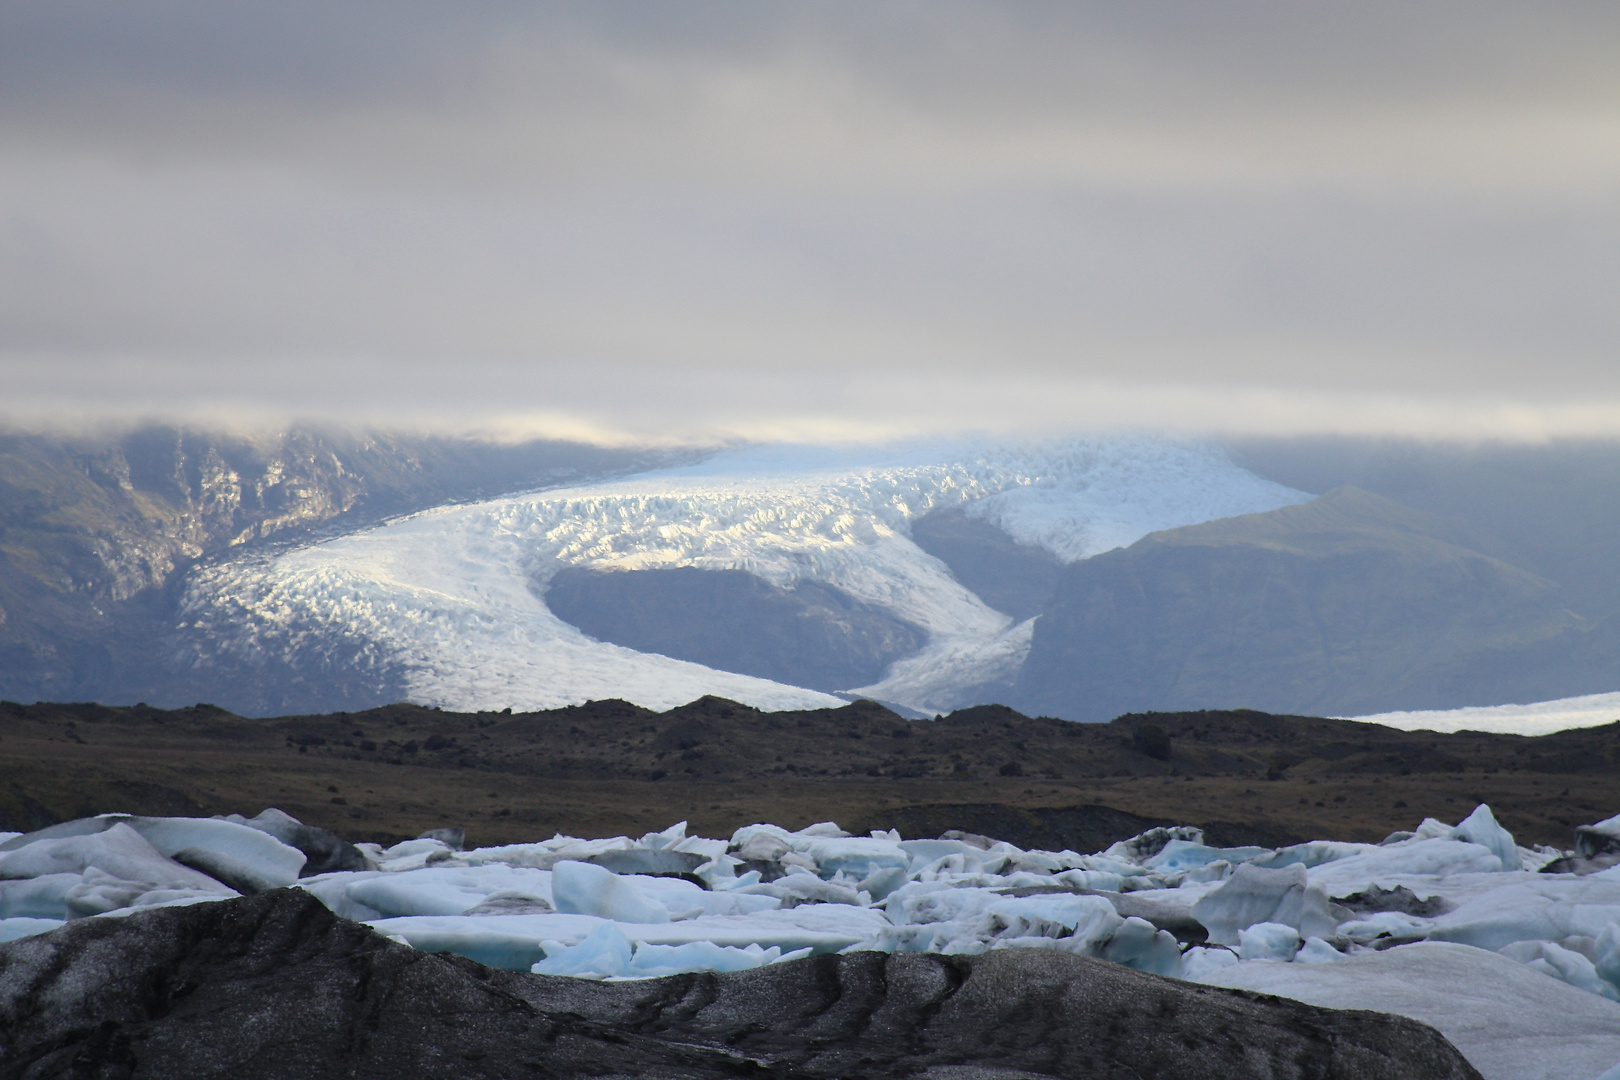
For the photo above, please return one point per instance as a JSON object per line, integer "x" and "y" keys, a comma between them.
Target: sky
{"x": 804, "y": 219}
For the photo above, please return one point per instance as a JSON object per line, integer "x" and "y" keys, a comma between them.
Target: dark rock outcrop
{"x": 276, "y": 986}
{"x": 324, "y": 850}
{"x": 809, "y": 635}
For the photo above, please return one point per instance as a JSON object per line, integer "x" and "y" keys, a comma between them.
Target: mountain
{"x": 792, "y": 559}
{"x": 99, "y": 531}
{"x": 809, "y": 635}
{"x": 1552, "y": 508}
{"x": 1345, "y": 605}
{"x": 317, "y": 570}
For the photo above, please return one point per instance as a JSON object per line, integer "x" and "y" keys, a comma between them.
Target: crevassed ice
{"x": 451, "y": 596}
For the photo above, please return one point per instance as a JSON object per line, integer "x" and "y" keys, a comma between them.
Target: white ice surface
{"x": 1537, "y": 718}
{"x": 1520, "y": 969}
{"x": 1510, "y": 1022}
{"x": 451, "y": 596}
{"x": 21, "y": 926}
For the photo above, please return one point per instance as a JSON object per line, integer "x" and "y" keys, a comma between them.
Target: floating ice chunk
{"x": 42, "y": 897}
{"x": 1434, "y": 859}
{"x": 1099, "y": 880}
{"x": 1606, "y": 955}
{"x": 653, "y": 961}
{"x": 823, "y": 828}
{"x": 585, "y": 889}
{"x": 857, "y": 856}
{"x": 508, "y": 942}
{"x": 324, "y": 851}
{"x": 1268, "y": 941}
{"x": 1143, "y": 846}
{"x": 658, "y": 841}
{"x": 1138, "y": 944}
{"x": 1510, "y": 1022}
{"x": 604, "y": 952}
{"x": 414, "y": 854}
{"x": 242, "y": 877}
{"x": 921, "y": 902}
{"x": 249, "y": 852}
{"x": 333, "y": 891}
{"x": 759, "y": 845}
{"x": 1179, "y": 856}
{"x": 802, "y": 886}
{"x": 1598, "y": 839}
{"x": 118, "y": 851}
{"x": 1254, "y": 894}
{"x": 511, "y": 902}
{"x": 1431, "y": 829}
{"x": 433, "y": 890}
{"x": 21, "y": 926}
{"x": 1315, "y": 853}
{"x": 1396, "y": 924}
{"x": 1197, "y": 963}
{"x": 700, "y": 904}
{"x": 1317, "y": 951}
{"x": 246, "y": 850}
{"x": 880, "y": 883}
{"x": 1081, "y": 915}
{"x": 1481, "y": 828}
{"x": 100, "y": 893}
{"x": 646, "y": 861}
{"x": 923, "y": 852}
{"x": 1537, "y": 907}
{"x": 1563, "y": 964}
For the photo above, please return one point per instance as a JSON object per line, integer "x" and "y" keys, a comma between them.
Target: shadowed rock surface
{"x": 810, "y": 635}
{"x": 276, "y": 986}
{"x": 1348, "y": 605}
{"x": 1011, "y": 577}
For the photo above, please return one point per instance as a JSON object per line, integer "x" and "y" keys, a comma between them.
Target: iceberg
{"x": 1256, "y": 894}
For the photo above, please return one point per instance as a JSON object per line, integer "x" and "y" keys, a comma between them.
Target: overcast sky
{"x": 672, "y": 218}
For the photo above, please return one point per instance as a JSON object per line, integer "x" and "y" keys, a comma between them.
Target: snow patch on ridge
{"x": 452, "y": 596}
{"x": 1538, "y": 718}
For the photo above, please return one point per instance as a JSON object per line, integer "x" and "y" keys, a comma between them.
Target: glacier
{"x": 1535, "y": 718}
{"x": 451, "y": 598}
{"x": 1513, "y": 958}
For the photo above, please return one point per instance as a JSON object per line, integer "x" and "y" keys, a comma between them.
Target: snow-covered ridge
{"x": 451, "y": 597}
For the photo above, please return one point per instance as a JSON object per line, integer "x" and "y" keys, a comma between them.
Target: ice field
{"x": 452, "y": 597}
{"x": 1512, "y": 953}
{"x": 1536, "y": 718}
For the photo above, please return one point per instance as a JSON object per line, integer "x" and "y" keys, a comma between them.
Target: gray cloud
{"x": 653, "y": 216}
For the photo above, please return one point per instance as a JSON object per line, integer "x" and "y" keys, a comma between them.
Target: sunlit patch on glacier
{"x": 450, "y": 599}
{"x": 1536, "y": 718}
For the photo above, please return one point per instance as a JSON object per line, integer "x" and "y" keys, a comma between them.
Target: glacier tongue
{"x": 451, "y": 597}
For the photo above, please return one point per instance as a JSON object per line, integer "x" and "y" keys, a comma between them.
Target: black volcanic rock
{"x": 276, "y": 986}
{"x": 1347, "y": 605}
{"x": 810, "y": 635}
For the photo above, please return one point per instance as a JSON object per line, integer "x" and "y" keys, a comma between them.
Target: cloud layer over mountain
{"x": 818, "y": 218}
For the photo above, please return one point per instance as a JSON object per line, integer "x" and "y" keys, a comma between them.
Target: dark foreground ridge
{"x": 610, "y": 767}
{"x": 276, "y": 986}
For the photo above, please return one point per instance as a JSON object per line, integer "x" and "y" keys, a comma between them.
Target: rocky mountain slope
{"x": 97, "y": 530}
{"x": 1349, "y": 604}
{"x": 317, "y": 570}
